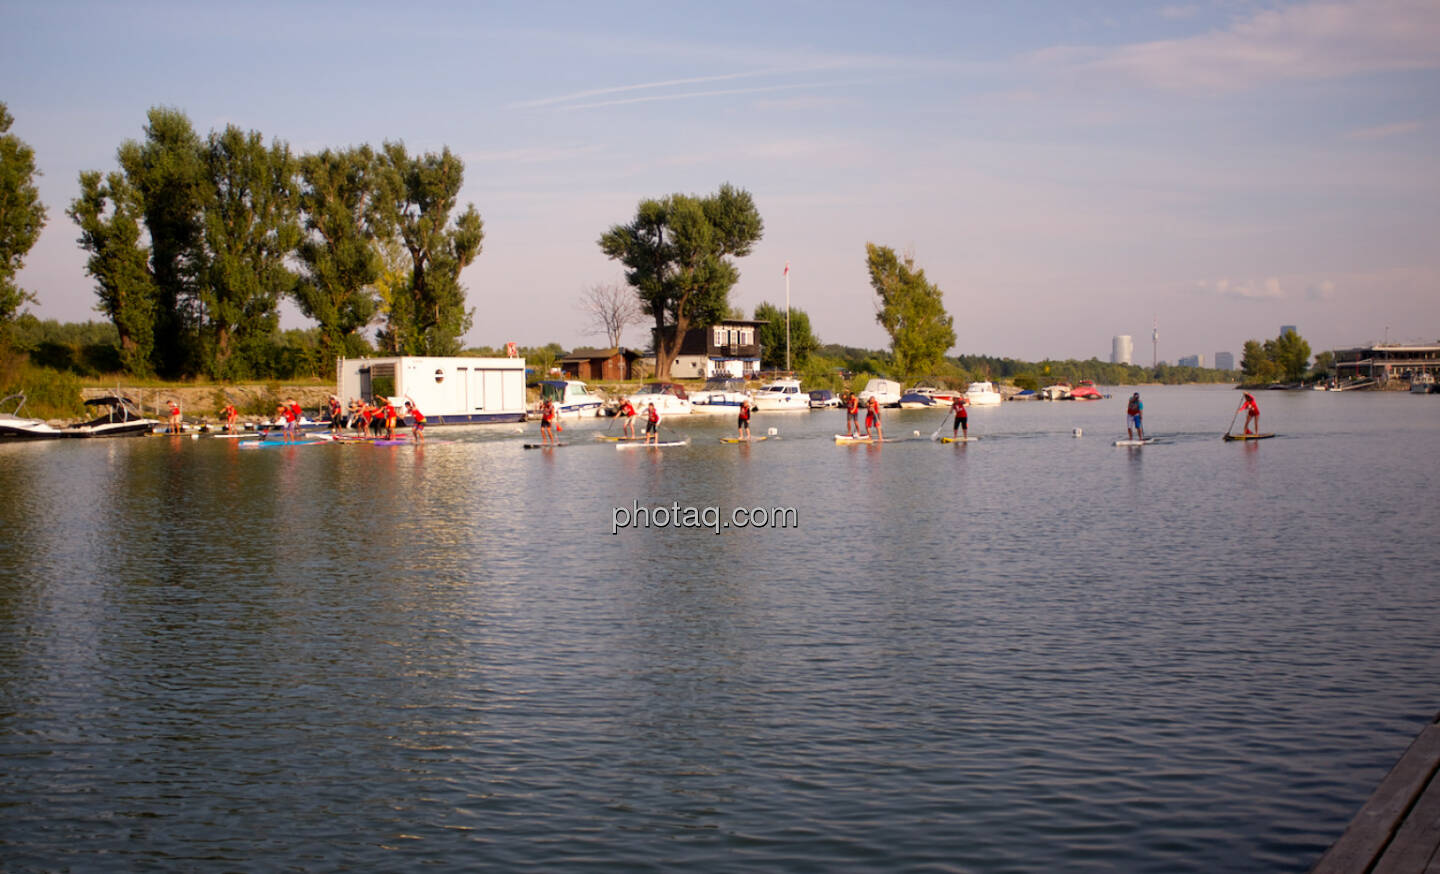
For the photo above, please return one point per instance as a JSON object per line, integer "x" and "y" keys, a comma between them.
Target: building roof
{"x": 586, "y": 354}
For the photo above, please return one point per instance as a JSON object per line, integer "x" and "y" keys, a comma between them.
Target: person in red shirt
{"x": 743, "y": 424}
{"x": 652, "y": 424}
{"x": 872, "y": 418}
{"x": 962, "y": 418}
{"x": 417, "y": 418}
{"x": 229, "y": 414}
{"x": 387, "y": 413}
{"x": 175, "y": 425}
{"x": 852, "y": 414}
{"x": 627, "y": 411}
{"x": 366, "y": 414}
{"x": 1252, "y": 412}
{"x": 287, "y": 413}
{"x": 547, "y": 421}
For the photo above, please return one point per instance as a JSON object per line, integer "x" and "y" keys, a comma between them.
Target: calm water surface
{"x": 1036, "y": 652}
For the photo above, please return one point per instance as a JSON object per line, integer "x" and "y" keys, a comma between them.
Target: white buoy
{"x": 1078, "y": 432}
{"x": 917, "y": 433}
{"x": 773, "y": 431}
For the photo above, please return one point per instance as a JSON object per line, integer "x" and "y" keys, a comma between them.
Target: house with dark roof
{"x": 728, "y": 348}
{"x": 602, "y": 365}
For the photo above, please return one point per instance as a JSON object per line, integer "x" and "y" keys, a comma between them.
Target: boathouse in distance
{"x": 1383, "y": 362}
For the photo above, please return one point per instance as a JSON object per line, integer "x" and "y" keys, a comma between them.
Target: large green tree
{"x": 912, "y": 311}
{"x": 109, "y": 214}
{"x": 340, "y": 258}
{"x": 772, "y": 336}
{"x": 1283, "y": 359}
{"x": 251, "y": 227}
{"x": 677, "y": 255}
{"x": 167, "y": 172}
{"x": 22, "y": 215}
{"x": 428, "y": 315}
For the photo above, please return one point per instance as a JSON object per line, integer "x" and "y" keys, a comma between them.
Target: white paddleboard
{"x": 1146, "y": 442}
{"x": 650, "y": 445}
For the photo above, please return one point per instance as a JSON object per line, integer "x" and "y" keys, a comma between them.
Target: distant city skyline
{"x": 1223, "y": 166}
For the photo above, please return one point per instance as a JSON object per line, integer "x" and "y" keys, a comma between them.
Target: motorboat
{"x": 1060, "y": 391}
{"x": 1422, "y": 384}
{"x": 919, "y": 398}
{"x": 571, "y": 397}
{"x": 120, "y": 419}
{"x": 886, "y": 392}
{"x": 668, "y": 397}
{"x": 15, "y": 426}
{"x": 720, "y": 394}
{"x": 781, "y": 394}
{"x": 822, "y": 398}
{"x": 1085, "y": 390}
{"x": 982, "y": 394}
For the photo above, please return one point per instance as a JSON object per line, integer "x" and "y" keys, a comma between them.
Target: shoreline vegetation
{"x": 194, "y": 240}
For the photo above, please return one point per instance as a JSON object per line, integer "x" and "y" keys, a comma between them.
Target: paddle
{"x": 1233, "y": 418}
{"x": 936, "y": 434}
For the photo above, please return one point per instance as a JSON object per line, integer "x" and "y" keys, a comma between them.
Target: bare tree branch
{"x": 612, "y": 308}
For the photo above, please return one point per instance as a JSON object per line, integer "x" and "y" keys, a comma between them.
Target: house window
{"x": 746, "y": 335}
{"x": 719, "y": 336}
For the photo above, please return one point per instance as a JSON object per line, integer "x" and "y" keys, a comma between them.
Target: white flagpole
{"x": 787, "y": 316}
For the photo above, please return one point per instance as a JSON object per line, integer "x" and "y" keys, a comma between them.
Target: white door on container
{"x": 494, "y": 391}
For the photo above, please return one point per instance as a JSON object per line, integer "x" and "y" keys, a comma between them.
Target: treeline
{"x": 194, "y": 241}
{"x": 1283, "y": 360}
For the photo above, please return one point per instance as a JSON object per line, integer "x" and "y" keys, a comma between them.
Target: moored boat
{"x": 119, "y": 419}
{"x": 781, "y": 395}
{"x": 982, "y": 394}
{"x": 571, "y": 397}
{"x": 668, "y": 397}
{"x": 1085, "y": 390}
{"x": 886, "y": 392}
{"x": 720, "y": 394}
{"x": 14, "y": 426}
{"x": 1060, "y": 391}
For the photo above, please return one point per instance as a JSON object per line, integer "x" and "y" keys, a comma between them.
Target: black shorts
{"x": 650, "y": 427}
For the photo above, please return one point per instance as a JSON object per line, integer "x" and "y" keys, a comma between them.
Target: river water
{"x": 1034, "y": 652}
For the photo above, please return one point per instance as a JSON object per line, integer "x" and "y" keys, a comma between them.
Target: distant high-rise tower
{"x": 1122, "y": 349}
{"x": 1287, "y": 329}
{"x": 1155, "y": 345}
{"x": 1224, "y": 361}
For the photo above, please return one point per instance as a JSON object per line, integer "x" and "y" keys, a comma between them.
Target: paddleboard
{"x": 611, "y": 439}
{"x": 277, "y": 444}
{"x": 236, "y": 435}
{"x": 958, "y": 439}
{"x": 650, "y": 445}
{"x": 1146, "y": 442}
{"x": 543, "y": 445}
{"x": 843, "y": 438}
{"x": 396, "y": 442}
{"x": 741, "y": 439}
{"x": 1248, "y": 436}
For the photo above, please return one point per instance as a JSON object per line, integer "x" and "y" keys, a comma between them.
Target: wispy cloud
{"x": 531, "y": 155}
{"x": 691, "y": 95}
{"x": 1320, "y": 291}
{"x": 1302, "y": 41}
{"x": 1383, "y": 131}
{"x": 1250, "y": 289}
{"x": 641, "y": 86}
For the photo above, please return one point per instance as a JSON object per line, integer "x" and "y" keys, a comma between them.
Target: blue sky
{"x": 1064, "y": 171}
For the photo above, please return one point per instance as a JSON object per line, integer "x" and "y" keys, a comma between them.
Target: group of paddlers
{"x": 367, "y": 418}
{"x": 550, "y": 421}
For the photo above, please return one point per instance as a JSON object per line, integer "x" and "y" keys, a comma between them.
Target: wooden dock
{"x": 1398, "y": 829}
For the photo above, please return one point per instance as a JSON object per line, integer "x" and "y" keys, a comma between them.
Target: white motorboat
{"x": 782, "y": 394}
{"x": 571, "y": 397}
{"x": 1422, "y": 384}
{"x": 668, "y": 397}
{"x": 120, "y": 419}
{"x": 1060, "y": 391}
{"x": 982, "y": 394}
{"x": 15, "y": 426}
{"x": 720, "y": 394}
{"x": 886, "y": 392}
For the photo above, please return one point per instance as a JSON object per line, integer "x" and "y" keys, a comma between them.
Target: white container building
{"x": 449, "y": 391}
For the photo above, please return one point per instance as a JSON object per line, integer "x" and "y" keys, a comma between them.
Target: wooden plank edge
{"x": 1375, "y": 824}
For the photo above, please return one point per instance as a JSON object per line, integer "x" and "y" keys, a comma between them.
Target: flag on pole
{"x": 787, "y": 268}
